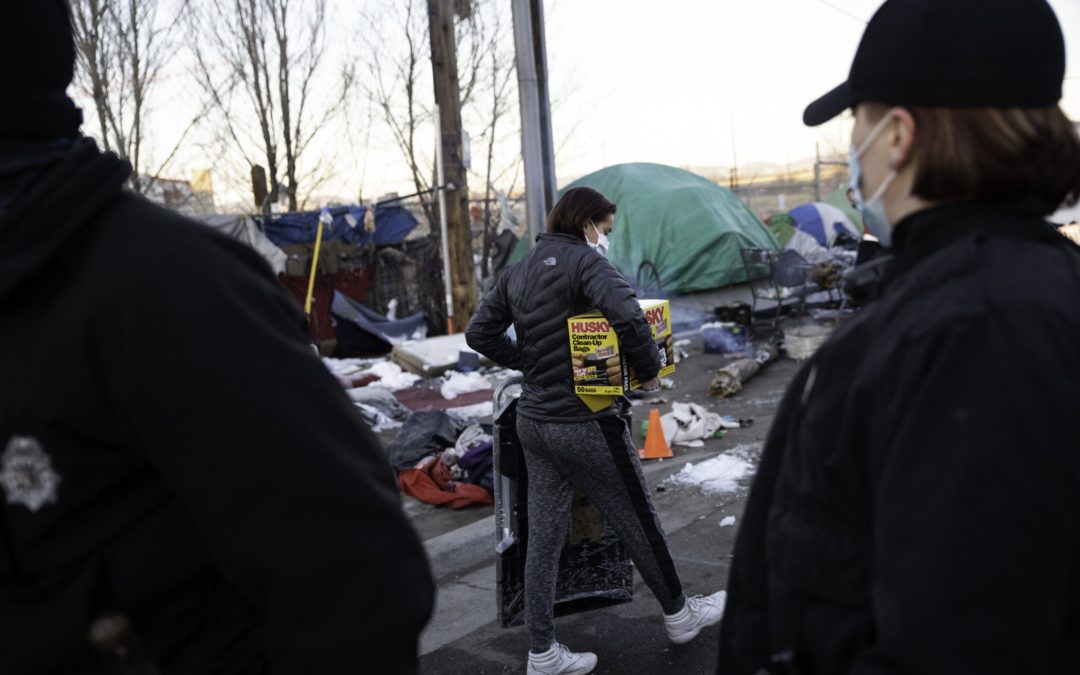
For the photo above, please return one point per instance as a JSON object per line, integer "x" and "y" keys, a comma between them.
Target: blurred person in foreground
{"x": 917, "y": 506}
{"x": 186, "y": 489}
{"x": 566, "y": 444}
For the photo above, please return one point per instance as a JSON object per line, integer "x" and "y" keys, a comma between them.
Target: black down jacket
{"x": 560, "y": 278}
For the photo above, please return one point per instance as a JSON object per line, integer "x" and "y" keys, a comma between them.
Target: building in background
{"x": 193, "y": 197}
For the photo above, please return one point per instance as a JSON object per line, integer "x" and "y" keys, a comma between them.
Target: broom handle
{"x": 314, "y": 267}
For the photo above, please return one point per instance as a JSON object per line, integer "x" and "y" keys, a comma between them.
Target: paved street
{"x": 464, "y": 636}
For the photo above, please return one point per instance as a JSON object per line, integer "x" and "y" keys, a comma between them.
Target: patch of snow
{"x": 391, "y": 376}
{"x": 719, "y": 474}
{"x": 478, "y": 411}
{"x": 342, "y": 367}
{"x": 728, "y": 522}
{"x": 463, "y": 383}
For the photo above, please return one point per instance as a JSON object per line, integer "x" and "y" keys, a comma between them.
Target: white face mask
{"x": 601, "y": 245}
{"x": 873, "y": 210}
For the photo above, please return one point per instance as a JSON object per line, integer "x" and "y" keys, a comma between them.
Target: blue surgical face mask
{"x": 601, "y": 245}
{"x": 873, "y": 210}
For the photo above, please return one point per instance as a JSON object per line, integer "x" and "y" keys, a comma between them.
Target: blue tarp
{"x": 363, "y": 332}
{"x": 392, "y": 225}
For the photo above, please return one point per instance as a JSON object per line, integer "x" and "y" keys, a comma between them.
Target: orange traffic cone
{"x": 656, "y": 446}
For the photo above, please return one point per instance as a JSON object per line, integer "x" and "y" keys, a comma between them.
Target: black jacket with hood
{"x": 171, "y": 449}
{"x": 560, "y": 278}
{"x": 917, "y": 505}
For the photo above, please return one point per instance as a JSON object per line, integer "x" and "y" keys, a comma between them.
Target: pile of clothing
{"x": 443, "y": 460}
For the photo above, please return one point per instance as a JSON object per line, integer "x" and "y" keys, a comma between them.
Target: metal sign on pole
{"x": 440, "y": 178}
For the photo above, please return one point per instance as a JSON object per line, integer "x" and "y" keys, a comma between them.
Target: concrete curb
{"x": 462, "y": 549}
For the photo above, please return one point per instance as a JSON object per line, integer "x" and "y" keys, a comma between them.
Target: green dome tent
{"x": 688, "y": 227}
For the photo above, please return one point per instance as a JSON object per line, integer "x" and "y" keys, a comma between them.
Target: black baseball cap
{"x": 953, "y": 54}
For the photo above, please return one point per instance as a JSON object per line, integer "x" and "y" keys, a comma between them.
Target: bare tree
{"x": 494, "y": 101}
{"x": 397, "y": 60}
{"x": 121, "y": 48}
{"x": 258, "y": 62}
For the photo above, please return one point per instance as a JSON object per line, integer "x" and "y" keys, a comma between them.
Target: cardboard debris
{"x": 433, "y": 356}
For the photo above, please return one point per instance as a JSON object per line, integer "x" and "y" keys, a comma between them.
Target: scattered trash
{"x": 642, "y": 399}
{"x": 424, "y": 433}
{"x": 801, "y": 342}
{"x": 667, "y": 383}
{"x": 682, "y": 343}
{"x": 688, "y": 425}
{"x": 826, "y": 274}
{"x": 470, "y": 459}
{"x": 728, "y": 522}
{"x": 431, "y": 481}
{"x": 463, "y": 383}
{"x": 379, "y": 408}
{"x": 682, "y": 355}
{"x": 725, "y": 338}
{"x": 730, "y": 379}
{"x": 736, "y": 312}
{"x": 729, "y": 422}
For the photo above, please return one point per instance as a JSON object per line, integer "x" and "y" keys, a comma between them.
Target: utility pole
{"x": 462, "y": 283}
{"x": 537, "y": 148}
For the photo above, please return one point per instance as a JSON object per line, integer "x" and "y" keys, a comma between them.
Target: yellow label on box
{"x": 599, "y": 367}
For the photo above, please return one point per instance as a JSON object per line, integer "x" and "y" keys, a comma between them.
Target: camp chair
{"x": 790, "y": 272}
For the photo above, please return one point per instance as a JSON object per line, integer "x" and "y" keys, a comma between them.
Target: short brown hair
{"x": 997, "y": 154}
{"x": 576, "y": 208}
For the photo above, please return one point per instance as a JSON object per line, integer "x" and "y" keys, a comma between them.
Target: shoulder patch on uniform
{"x": 27, "y": 475}
{"x": 551, "y": 262}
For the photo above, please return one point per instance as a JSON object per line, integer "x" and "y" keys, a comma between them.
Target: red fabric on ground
{"x": 430, "y": 482}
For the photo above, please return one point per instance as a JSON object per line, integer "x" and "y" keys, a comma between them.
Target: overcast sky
{"x": 670, "y": 81}
{"x": 680, "y": 82}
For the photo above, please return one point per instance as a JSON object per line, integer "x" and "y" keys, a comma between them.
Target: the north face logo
{"x": 550, "y": 262}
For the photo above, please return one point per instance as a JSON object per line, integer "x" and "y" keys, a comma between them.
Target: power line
{"x": 844, "y": 11}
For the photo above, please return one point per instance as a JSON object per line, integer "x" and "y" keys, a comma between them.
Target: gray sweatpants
{"x": 599, "y": 457}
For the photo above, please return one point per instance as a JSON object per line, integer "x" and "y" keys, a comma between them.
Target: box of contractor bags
{"x": 600, "y": 368}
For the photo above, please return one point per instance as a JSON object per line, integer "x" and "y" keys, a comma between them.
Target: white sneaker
{"x": 700, "y": 612}
{"x": 558, "y": 660}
